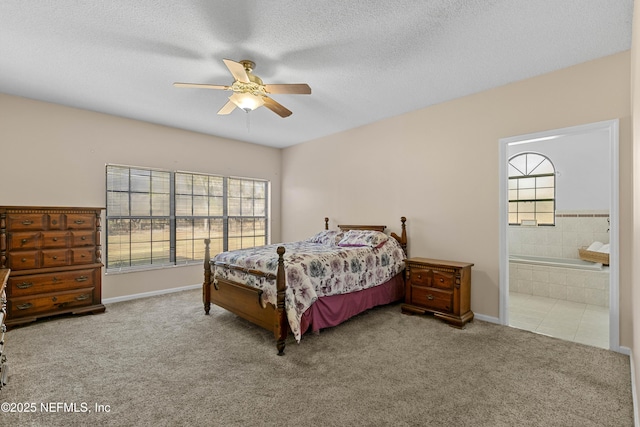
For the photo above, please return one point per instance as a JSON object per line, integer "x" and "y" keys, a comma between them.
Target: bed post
{"x": 403, "y": 238}
{"x": 281, "y": 326}
{"x": 206, "y": 286}
{"x": 326, "y": 223}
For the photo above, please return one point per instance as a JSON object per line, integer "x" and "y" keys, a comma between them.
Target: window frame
{"x": 177, "y": 255}
{"x": 527, "y": 175}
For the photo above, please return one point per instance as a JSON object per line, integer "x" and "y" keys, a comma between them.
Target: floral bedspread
{"x": 314, "y": 270}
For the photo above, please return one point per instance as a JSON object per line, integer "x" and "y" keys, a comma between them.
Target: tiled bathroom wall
{"x": 572, "y": 231}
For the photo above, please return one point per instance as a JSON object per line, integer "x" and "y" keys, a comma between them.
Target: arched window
{"x": 532, "y": 185}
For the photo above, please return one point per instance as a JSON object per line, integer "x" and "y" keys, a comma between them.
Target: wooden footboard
{"x": 245, "y": 301}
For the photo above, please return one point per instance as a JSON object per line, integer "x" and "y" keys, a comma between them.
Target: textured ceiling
{"x": 365, "y": 60}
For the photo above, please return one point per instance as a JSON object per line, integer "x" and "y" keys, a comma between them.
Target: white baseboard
{"x": 623, "y": 350}
{"x": 149, "y": 294}
{"x": 486, "y": 318}
{"x": 634, "y": 392}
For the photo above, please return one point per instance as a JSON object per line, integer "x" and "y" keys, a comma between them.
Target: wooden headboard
{"x": 362, "y": 227}
{"x": 402, "y": 239}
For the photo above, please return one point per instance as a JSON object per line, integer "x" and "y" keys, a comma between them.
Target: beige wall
{"x": 56, "y": 156}
{"x": 438, "y": 166}
{"x": 635, "y": 106}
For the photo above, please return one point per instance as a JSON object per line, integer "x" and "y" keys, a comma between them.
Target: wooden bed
{"x": 248, "y": 302}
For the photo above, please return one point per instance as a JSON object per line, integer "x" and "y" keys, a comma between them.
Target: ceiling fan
{"x": 249, "y": 92}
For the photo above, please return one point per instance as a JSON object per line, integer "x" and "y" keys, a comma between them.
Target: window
{"x": 531, "y": 189}
{"x": 158, "y": 218}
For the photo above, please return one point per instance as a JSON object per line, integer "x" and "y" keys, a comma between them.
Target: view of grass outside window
{"x": 531, "y": 189}
{"x": 160, "y": 218}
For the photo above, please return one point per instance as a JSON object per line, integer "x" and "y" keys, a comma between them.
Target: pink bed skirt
{"x": 335, "y": 309}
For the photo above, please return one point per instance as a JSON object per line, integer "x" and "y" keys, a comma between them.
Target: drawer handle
{"x": 27, "y": 222}
{"x": 24, "y": 285}
{"x": 55, "y": 257}
{"x": 83, "y": 238}
{"x": 430, "y": 297}
{"x": 82, "y": 279}
{"x": 419, "y": 276}
{"x": 441, "y": 280}
{"x": 24, "y": 306}
{"x": 23, "y": 260}
{"x": 24, "y": 241}
{"x": 55, "y": 239}
{"x": 79, "y": 221}
{"x": 83, "y": 297}
{"x": 82, "y": 256}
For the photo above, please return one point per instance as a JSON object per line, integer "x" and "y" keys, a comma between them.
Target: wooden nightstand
{"x": 439, "y": 287}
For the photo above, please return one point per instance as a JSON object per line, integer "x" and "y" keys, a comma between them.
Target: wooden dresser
{"x": 439, "y": 287}
{"x": 54, "y": 254}
{"x": 4, "y": 367}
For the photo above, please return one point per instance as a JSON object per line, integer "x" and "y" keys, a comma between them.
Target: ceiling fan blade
{"x": 291, "y": 89}
{"x": 277, "y": 108}
{"x": 237, "y": 70}
{"x": 227, "y": 108}
{"x": 202, "y": 86}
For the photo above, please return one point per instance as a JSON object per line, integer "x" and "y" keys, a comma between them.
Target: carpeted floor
{"x": 160, "y": 361}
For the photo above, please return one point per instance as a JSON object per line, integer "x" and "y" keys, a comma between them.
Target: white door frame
{"x": 614, "y": 269}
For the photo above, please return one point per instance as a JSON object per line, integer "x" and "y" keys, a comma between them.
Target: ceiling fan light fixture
{"x": 249, "y": 92}
{"x": 246, "y": 101}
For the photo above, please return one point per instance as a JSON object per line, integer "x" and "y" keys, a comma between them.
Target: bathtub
{"x": 560, "y": 278}
{"x": 557, "y": 262}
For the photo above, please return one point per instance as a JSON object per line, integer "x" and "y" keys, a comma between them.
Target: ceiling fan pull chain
{"x": 248, "y": 121}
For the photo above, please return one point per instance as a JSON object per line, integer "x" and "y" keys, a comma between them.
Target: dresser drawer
{"x": 23, "y": 240}
{"x": 432, "y": 298}
{"x": 26, "y": 222}
{"x": 56, "y": 221}
{"x": 36, "y": 304}
{"x": 81, "y": 221}
{"x": 82, "y": 255}
{"x": 55, "y": 257}
{"x": 83, "y": 238}
{"x": 49, "y": 282}
{"x": 23, "y": 260}
{"x": 54, "y": 239}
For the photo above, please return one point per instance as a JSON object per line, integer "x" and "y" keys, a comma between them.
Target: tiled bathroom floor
{"x": 571, "y": 321}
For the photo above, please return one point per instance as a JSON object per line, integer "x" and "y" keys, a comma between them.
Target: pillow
{"x": 326, "y": 237}
{"x": 371, "y": 238}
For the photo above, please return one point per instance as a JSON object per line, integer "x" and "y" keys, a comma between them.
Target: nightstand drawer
{"x": 432, "y": 298}
{"x": 421, "y": 277}
{"x": 442, "y": 280}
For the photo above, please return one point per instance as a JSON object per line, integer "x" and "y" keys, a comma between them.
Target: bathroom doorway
{"x": 547, "y": 281}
